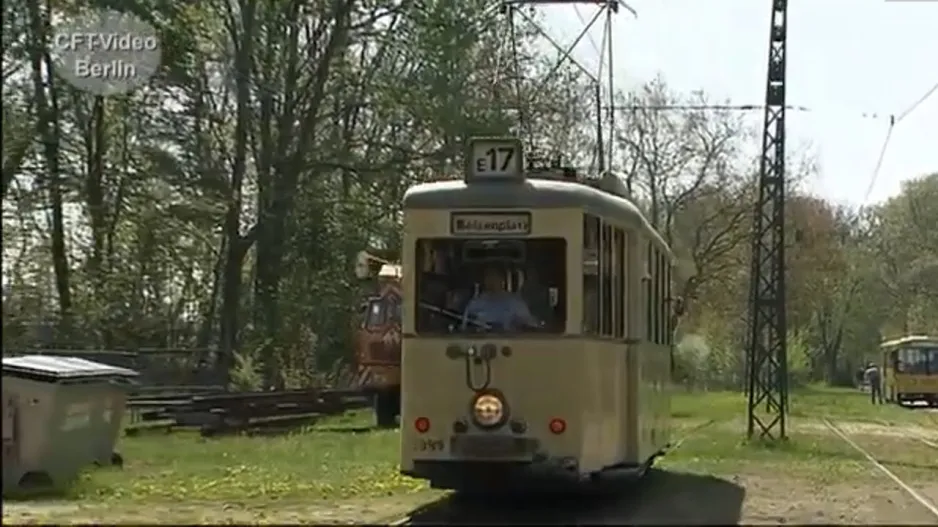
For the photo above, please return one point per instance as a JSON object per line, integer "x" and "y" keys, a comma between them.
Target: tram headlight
{"x": 488, "y": 410}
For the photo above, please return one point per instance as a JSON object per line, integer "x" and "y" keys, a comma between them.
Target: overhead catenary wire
{"x": 567, "y": 53}
{"x": 914, "y": 106}
{"x": 728, "y": 107}
{"x": 879, "y": 160}
{"x": 893, "y": 121}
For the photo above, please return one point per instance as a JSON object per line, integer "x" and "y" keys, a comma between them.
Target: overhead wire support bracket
{"x": 604, "y": 153}
{"x": 767, "y": 355}
{"x": 611, "y": 4}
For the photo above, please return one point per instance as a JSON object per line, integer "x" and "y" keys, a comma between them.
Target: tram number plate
{"x": 489, "y": 446}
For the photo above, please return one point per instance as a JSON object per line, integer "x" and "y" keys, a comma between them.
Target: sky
{"x": 852, "y": 63}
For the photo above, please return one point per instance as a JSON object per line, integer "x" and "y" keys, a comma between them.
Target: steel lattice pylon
{"x": 767, "y": 346}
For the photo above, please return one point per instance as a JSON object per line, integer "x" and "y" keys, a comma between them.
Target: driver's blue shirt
{"x": 502, "y": 310}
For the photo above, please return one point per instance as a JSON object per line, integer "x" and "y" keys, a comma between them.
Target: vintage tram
{"x": 910, "y": 370}
{"x": 579, "y": 388}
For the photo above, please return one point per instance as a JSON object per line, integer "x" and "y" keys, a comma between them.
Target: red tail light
{"x": 557, "y": 425}
{"x": 422, "y": 425}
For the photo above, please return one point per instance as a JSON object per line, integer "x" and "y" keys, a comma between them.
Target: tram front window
{"x": 491, "y": 286}
{"x": 913, "y": 361}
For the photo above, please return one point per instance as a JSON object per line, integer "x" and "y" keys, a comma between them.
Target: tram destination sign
{"x": 490, "y": 223}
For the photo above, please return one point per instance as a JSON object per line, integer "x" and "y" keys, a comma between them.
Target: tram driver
{"x": 496, "y": 307}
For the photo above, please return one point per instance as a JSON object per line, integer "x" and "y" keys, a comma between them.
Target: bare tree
{"x": 687, "y": 168}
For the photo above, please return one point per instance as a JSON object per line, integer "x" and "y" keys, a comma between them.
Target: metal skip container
{"x": 60, "y": 414}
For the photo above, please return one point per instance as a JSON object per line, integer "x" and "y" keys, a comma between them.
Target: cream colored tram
{"x": 582, "y": 394}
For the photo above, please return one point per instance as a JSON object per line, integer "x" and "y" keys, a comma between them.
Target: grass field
{"x": 332, "y": 473}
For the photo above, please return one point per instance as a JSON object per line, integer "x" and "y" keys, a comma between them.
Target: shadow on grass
{"x": 39, "y": 486}
{"x": 661, "y": 497}
{"x": 350, "y": 429}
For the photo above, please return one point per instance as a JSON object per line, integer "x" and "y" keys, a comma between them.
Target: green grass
{"x": 322, "y": 462}
{"x": 810, "y": 451}
{"x": 724, "y": 450}
{"x": 813, "y": 402}
{"x": 328, "y": 464}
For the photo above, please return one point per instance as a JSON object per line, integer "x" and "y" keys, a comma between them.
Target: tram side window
{"x": 591, "y": 297}
{"x": 657, "y": 292}
{"x": 605, "y": 276}
{"x": 933, "y": 361}
{"x": 619, "y": 282}
{"x": 649, "y": 294}
{"x": 920, "y": 361}
{"x": 659, "y": 299}
{"x": 670, "y": 307}
{"x": 920, "y": 366}
{"x": 665, "y": 300}
{"x": 455, "y": 271}
{"x": 656, "y": 295}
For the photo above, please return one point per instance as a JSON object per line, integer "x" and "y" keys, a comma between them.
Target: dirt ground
{"x": 780, "y": 501}
{"x": 366, "y": 511}
{"x": 675, "y": 498}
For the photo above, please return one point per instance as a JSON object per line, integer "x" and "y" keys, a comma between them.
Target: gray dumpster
{"x": 60, "y": 414}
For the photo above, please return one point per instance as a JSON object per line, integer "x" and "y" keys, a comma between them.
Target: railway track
{"x": 925, "y": 502}
{"x": 915, "y": 435}
{"x": 649, "y": 499}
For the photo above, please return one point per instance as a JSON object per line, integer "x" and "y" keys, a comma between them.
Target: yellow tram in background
{"x": 582, "y": 390}
{"x": 910, "y": 369}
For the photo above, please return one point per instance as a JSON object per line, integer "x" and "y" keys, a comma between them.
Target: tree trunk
{"x": 237, "y": 245}
{"x": 47, "y": 128}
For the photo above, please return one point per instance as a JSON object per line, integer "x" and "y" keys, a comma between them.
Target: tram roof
{"x": 910, "y": 339}
{"x": 532, "y": 193}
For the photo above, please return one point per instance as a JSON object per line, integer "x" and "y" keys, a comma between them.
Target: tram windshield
{"x": 918, "y": 361}
{"x": 491, "y": 286}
